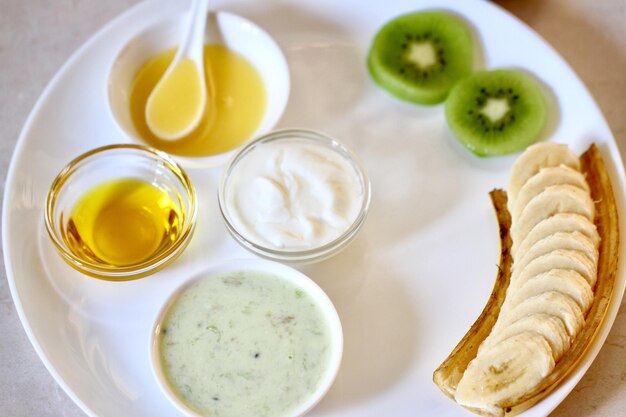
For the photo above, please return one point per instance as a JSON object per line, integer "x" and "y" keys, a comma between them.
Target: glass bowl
{"x": 221, "y": 329}
{"x": 232, "y": 31}
{"x": 115, "y": 183}
{"x": 266, "y": 205}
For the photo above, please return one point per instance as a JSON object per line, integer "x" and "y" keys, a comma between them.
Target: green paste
{"x": 244, "y": 344}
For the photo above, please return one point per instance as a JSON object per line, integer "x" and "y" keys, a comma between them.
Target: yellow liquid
{"x": 176, "y": 103}
{"x": 235, "y": 105}
{"x": 122, "y": 222}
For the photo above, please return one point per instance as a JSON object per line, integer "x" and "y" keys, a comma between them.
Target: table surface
{"x": 37, "y": 37}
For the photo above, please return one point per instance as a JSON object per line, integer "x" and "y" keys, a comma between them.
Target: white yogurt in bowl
{"x": 294, "y": 195}
{"x": 247, "y": 338}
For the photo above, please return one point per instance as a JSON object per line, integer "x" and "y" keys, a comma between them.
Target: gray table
{"x": 37, "y": 36}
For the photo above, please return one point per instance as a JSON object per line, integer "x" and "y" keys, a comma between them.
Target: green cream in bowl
{"x": 248, "y": 338}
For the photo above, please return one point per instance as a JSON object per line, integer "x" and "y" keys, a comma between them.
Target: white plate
{"x": 406, "y": 289}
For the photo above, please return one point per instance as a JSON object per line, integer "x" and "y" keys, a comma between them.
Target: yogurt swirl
{"x": 294, "y": 195}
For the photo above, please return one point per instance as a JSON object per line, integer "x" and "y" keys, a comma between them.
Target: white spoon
{"x": 177, "y": 103}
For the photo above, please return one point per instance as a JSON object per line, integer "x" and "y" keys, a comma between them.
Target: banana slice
{"x": 553, "y": 200}
{"x": 535, "y": 157}
{"x": 550, "y": 327}
{"x": 546, "y": 177}
{"x": 561, "y": 222}
{"x": 564, "y": 281}
{"x": 557, "y": 259}
{"x": 505, "y": 372}
{"x": 552, "y": 303}
{"x": 559, "y": 240}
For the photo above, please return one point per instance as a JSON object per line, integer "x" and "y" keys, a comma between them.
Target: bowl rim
{"x": 313, "y": 254}
{"x": 139, "y": 269}
{"x": 281, "y": 271}
{"x": 204, "y": 161}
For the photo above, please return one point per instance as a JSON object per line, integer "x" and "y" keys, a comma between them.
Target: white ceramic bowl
{"x": 291, "y": 276}
{"x": 236, "y": 33}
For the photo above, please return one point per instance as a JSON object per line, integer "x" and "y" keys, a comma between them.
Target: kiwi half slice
{"x": 496, "y": 112}
{"x": 419, "y": 56}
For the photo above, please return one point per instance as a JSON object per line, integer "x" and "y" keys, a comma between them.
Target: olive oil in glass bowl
{"x": 121, "y": 212}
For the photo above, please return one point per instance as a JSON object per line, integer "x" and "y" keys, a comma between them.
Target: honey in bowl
{"x": 122, "y": 222}
{"x": 121, "y": 212}
{"x": 236, "y": 105}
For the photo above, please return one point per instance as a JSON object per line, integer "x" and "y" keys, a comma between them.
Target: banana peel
{"x": 449, "y": 373}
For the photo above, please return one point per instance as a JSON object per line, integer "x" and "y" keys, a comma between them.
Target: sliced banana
{"x": 561, "y": 280}
{"x": 553, "y": 200}
{"x": 550, "y": 327}
{"x": 561, "y": 222}
{"x": 552, "y": 303}
{"x": 559, "y": 240}
{"x": 505, "y": 372}
{"x": 546, "y": 177}
{"x": 557, "y": 259}
{"x": 540, "y": 155}
{"x": 542, "y": 314}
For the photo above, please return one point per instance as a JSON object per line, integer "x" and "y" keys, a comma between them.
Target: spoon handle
{"x": 193, "y": 45}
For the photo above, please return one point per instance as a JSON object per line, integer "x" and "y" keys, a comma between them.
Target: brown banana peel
{"x": 449, "y": 373}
